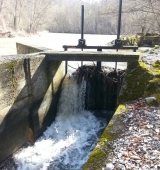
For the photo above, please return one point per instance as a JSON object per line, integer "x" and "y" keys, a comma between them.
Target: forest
{"x": 64, "y": 16}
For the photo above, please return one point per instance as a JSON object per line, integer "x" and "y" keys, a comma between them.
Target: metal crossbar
{"x": 134, "y": 48}
{"x": 117, "y": 42}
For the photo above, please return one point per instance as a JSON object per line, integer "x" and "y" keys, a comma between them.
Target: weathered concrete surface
{"x": 26, "y": 49}
{"x": 141, "y": 80}
{"x": 29, "y": 92}
{"x": 93, "y": 56}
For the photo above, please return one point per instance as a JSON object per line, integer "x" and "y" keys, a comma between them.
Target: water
{"x": 67, "y": 143}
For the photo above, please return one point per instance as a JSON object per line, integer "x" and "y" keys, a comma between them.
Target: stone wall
{"x": 29, "y": 93}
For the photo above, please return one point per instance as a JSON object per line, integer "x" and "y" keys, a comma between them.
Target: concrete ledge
{"x": 27, "y": 49}
{"x": 93, "y": 56}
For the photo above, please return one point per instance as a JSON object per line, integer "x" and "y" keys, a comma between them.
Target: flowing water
{"x": 67, "y": 143}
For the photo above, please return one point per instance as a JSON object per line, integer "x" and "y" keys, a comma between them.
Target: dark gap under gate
{"x": 102, "y": 89}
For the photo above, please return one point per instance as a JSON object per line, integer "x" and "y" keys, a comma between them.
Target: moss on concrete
{"x": 9, "y": 71}
{"x": 135, "y": 81}
{"x": 153, "y": 85}
{"x": 98, "y": 157}
{"x": 153, "y": 89}
{"x": 130, "y": 40}
{"x": 155, "y": 69}
{"x": 141, "y": 80}
{"x": 142, "y": 40}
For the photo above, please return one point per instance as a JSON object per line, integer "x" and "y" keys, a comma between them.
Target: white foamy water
{"x": 66, "y": 144}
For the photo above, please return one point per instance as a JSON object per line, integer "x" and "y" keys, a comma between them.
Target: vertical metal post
{"x": 99, "y": 62}
{"x": 119, "y": 19}
{"x": 82, "y": 26}
{"x": 119, "y": 27}
{"x": 115, "y": 66}
{"x": 82, "y": 21}
{"x": 82, "y": 62}
{"x": 66, "y": 64}
{"x": 97, "y": 92}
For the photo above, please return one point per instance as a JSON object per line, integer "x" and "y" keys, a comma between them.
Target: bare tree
{"x": 64, "y": 16}
{"x": 14, "y": 9}
{"x": 145, "y": 15}
{"x": 138, "y": 15}
{"x": 3, "y": 27}
{"x": 36, "y": 13}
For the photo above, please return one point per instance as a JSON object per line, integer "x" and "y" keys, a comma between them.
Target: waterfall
{"x": 67, "y": 143}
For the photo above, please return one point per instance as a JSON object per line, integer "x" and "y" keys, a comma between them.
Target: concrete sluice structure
{"x": 30, "y": 86}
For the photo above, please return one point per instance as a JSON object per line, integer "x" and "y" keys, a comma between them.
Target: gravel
{"x": 151, "y": 55}
{"x": 139, "y": 145}
{"x": 138, "y": 148}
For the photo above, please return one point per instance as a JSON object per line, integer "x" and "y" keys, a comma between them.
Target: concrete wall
{"x": 27, "y": 49}
{"x": 29, "y": 93}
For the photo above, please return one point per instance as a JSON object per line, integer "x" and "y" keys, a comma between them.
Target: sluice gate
{"x": 32, "y": 86}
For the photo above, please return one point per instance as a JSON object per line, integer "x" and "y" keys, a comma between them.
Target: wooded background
{"x": 64, "y": 16}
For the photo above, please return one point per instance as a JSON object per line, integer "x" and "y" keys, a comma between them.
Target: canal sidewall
{"x": 29, "y": 92}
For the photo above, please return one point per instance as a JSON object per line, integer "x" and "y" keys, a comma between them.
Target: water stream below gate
{"x": 67, "y": 143}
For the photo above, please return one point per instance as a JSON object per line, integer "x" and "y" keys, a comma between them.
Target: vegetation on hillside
{"x": 64, "y": 16}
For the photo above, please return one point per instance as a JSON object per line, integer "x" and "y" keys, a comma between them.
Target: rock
{"x": 109, "y": 166}
{"x": 157, "y": 130}
{"x": 150, "y": 100}
{"x": 121, "y": 167}
{"x": 135, "y": 157}
{"x": 125, "y": 153}
{"x": 149, "y": 126}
